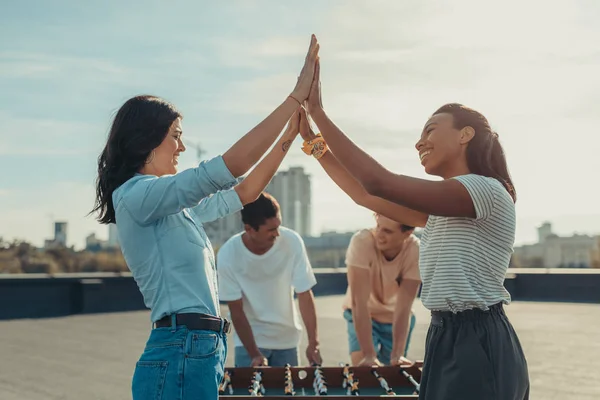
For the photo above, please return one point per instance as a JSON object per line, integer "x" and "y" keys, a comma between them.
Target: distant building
{"x": 92, "y": 243}
{"x": 60, "y": 236}
{"x": 60, "y": 233}
{"x": 292, "y": 190}
{"x": 553, "y": 251}
{"x": 113, "y": 236}
{"x": 328, "y": 250}
{"x": 221, "y": 230}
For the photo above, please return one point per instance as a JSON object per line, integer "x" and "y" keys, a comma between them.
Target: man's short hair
{"x": 403, "y": 227}
{"x": 259, "y": 211}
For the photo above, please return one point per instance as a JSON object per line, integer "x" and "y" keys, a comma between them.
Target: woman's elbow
{"x": 373, "y": 186}
{"x": 246, "y": 195}
{"x": 361, "y": 199}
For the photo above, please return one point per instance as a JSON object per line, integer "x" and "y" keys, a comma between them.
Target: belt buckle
{"x": 226, "y": 326}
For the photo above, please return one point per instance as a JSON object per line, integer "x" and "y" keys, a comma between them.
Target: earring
{"x": 151, "y": 158}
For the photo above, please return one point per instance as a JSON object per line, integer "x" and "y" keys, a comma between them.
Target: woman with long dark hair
{"x": 159, "y": 215}
{"x": 472, "y": 350}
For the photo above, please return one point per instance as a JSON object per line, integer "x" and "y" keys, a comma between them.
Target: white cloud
{"x": 386, "y": 66}
{"x": 43, "y": 65}
{"x": 28, "y": 136}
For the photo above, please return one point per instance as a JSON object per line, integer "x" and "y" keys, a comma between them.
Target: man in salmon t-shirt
{"x": 383, "y": 281}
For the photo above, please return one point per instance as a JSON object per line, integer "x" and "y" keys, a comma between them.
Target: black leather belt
{"x": 197, "y": 322}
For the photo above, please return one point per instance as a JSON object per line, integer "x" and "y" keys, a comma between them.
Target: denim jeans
{"x": 383, "y": 337}
{"x": 180, "y": 364}
{"x": 275, "y": 357}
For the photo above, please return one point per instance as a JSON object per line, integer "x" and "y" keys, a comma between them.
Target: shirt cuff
{"x": 233, "y": 201}
{"x": 218, "y": 172}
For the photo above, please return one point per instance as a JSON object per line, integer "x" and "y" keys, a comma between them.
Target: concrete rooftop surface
{"x": 92, "y": 356}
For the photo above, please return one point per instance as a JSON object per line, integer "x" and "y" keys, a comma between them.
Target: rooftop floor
{"x": 92, "y": 356}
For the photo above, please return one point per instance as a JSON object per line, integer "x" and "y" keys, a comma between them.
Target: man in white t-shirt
{"x": 259, "y": 270}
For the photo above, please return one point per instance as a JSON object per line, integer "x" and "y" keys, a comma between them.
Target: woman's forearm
{"x": 357, "y": 162}
{"x": 251, "y": 147}
{"x": 253, "y": 185}
{"x": 359, "y": 195}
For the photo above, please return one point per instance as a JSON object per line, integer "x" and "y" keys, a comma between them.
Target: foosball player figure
{"x": 355, "y": 391}
{"x": 289, "y": 384}
{"x": 226, "y": 383}
{"x": 319, "y": 384}
{"x": 345, "y": 373}
{"x": 256, "y": 387}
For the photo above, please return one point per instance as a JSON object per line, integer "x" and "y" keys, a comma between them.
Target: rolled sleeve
{"x": 218, "y": 205}
{"x": 219, "y": 174}
{"x": 149, "y": 197}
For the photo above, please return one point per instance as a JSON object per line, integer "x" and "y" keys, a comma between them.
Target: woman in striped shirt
{"x": 472, "y": 350}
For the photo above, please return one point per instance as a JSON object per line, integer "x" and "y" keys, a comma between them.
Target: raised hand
{"x": 314, "y": 101}
{"x": 305, "y": 129}
{"x": 293, "y": 126}
{"x": 302, "y": 89}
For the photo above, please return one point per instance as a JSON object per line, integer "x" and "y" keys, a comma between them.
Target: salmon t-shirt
{"x": 385, "y": 275}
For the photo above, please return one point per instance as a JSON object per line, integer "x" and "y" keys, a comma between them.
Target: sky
{"x": 531, "y": 68}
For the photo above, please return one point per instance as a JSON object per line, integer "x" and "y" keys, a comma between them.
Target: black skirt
{"x": 473, "y": 355}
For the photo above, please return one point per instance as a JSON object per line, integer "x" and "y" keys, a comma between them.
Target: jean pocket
{"x": 203, "y": 345}
{"x": 149, "y": 380}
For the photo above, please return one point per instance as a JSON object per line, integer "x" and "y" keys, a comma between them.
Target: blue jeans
{"x": 383, "y": 337}
{"x": 180, "y": 364}
{"x": 276, "y": 358}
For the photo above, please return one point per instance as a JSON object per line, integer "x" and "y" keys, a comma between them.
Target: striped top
{"x": 463, "y": 261}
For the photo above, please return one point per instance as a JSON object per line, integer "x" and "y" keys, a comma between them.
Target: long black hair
{"x": 140, "y": 126}
{"x": 485, "y": 155}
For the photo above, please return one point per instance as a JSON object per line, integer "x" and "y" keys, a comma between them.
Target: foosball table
{"x": 341, "y": 382}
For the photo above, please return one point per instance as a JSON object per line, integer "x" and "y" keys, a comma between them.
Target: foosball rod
{"x": 383, "y": 383}
{"x": 411, "y": 379}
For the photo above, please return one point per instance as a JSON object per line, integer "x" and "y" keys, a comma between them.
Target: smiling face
{"x": 442, "y": 147}
{"x": 164, "y": 159}
{"x": 266, "y": 235}
{"x": 389, "y": 235}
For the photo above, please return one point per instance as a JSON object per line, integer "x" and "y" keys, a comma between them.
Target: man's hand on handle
{"x": 313, "y": 354}
{"x": 259, "y": 361}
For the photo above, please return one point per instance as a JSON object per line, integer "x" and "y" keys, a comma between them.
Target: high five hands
{"x": 307, "y": 74}
{"x": 307, "y": 93}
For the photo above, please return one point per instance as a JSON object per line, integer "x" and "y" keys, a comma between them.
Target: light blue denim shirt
{"x": 159, "y": 222}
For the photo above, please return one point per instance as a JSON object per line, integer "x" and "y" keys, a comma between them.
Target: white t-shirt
{"x": 266, "y": 283}
{"x": 463, "y": 261}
